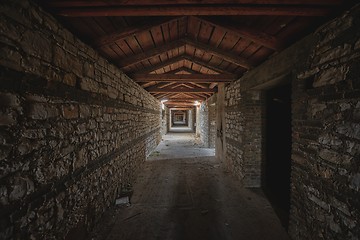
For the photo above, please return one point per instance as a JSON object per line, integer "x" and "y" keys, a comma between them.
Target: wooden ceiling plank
{"x": 252, "y": 34}
{"x": 232, "y": 58}
{"x": 207, "y": 65}
{"x": 157, "y": 35}
{"x": 173, "y": 71}
{"x": 161, "y": 65}
{"x": 99, "y": 3}
{"x": 130, "y": 31}
{"x": 196, "y": 77}
{"x": 150, "y": 53}
{"x": 180, "y": 58}
{"x": 195, "y": 10}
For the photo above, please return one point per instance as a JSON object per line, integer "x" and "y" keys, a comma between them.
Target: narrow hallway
{"x": 189, "y": 198}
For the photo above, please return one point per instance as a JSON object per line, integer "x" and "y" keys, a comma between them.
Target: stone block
{"x": 69, "y": 79}
{"x": 70, "y": 111}
{"x": 88, "y": 84}
{"x": 8, "y": 118}
{"x": 10, "y": 58}
{"x": 40, "y": 111}
{"x": 85, "y": 111}
{"x": 9, "y": 100}
{"x": 89, "y": 70}
{"x": 355, "y": 182}
{"x": 331, "y": 76}
{"x": 334, "y": 157}
{"x": 36, "y": 44}
{"x": 351, "y": 130}
{"x": 20, "y": 187}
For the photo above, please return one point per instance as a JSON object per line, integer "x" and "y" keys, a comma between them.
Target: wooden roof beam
{"x": 198, "y": 78}
{"x": 246, "y": 32}
{"x": 179, "y": 58}
{"x": 186, "y": 99}
{"x": 150, "y": 53}
{"x": 232, "y": 58}
{"x": 195, "y": 10}
{"x": 99, "y": 3}
{"x": 161, "y": 65}
{"x": 180, "y": 90}
{"x": 200, "y": 62}
{"x": 179, "y": 103}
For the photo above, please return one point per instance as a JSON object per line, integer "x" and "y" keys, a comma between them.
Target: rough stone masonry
{"x": 323, "y": 69}
{"x": 73, "y": 128}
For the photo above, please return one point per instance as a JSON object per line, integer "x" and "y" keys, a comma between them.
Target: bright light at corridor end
{"x": 162, "y": 104}
{"x": 197, "y": 103}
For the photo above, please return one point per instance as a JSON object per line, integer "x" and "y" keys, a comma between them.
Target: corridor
{"x": 189, "y": 198}
{"x": 100, "y": 103}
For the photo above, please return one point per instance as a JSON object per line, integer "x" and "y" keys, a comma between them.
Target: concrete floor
{"x": 179, "y": 144}
{"x": 183, "y": 193}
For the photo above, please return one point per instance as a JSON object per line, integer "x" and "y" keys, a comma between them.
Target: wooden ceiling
{"x": 181, "y": 49}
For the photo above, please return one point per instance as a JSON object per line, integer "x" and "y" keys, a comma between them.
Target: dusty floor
{"x": 184, "y": 197}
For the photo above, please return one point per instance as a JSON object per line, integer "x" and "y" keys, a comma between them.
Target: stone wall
{"x": 325, "y": 179}
{"x": 164, "y": 121}
{"x": 243, "y": 133}
{"x": 212, "y": 122}
{"x": 326, "y": 136}
{"x": 73, "y": 128}
{"x": 206, "y": 124}
{"x": 203, "y": 123}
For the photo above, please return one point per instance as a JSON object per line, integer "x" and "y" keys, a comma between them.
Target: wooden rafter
{"x": 161, "y": 65}
{"x": 246, "y": 32}
{"x": 174, "y": 71}
{"x": 185, "y": 99}
{"x": 189, "y": 70}
{"x": 150, "y": 53}
{"x": 195, "y": 10}
{"x": 212, "y": 85}
{"x": 207, "y": 65}
{"x": 198, "y": 78}
{"x": 226, "y": 55}
{"x": 232, "y": 58}
{"x": 179, "y": 103}
{"x": 177, "y": 90}
{"x": 180, "y": 58}
{"x": 148, "y": 84}
{"x": 198, "y": 85}
{"x": 99, "y": 3}
{"x": 180, "y": 85}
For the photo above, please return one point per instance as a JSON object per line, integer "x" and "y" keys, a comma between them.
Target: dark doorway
{"x": 277, "y": 165}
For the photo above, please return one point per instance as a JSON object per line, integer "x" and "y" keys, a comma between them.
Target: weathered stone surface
{"x": 328, "y": 137}
{"x": 207, "y": 116}
{"x": 325, "y": 178}
{"x": 42, "y": 111}
{"x": 66, "y": 134}
{"x": 331, "y": 76}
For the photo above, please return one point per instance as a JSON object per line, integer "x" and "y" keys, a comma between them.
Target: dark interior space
{"x": 278, "y": 150}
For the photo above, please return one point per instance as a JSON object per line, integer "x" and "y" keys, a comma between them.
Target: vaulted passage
{"x": 179, "y": 119}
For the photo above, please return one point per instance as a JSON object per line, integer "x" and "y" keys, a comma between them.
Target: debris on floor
{"x": 123, "y": 201}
